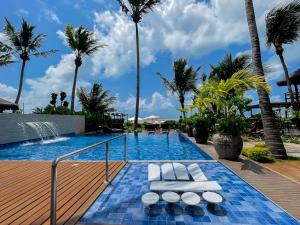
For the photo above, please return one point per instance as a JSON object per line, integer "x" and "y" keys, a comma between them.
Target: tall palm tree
{"x": 97, "y": 100}
{"x": 184, "y": 81}
{"x": 136, "y": 9}
{"x": 283, "y": 27}
{"x": 5, "y": 56}
{"x": 271, "y": 132}
{"x": 229, "y": 65}
{"x": 82, "y": 42}
{"x": 25, "y": 44}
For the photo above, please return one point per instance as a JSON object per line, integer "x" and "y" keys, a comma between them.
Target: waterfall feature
{"x": 46, "y": 130}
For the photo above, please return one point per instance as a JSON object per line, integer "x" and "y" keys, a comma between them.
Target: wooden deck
{"x": 280, "y": 189}
{"x": 25, "y": 190}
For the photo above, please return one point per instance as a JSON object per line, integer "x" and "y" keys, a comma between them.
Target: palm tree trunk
{"x": 21, "y": 82}
{"x": 181, "y": 99}
{"x": 74, "y": 89}
{"x": 286, "y": 72}
{"x": 137, "y": 104}
{"x": 271, "y": 132}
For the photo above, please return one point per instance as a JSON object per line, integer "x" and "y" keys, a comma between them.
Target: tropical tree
{"x": 184, "y": 81}
{"x": 53, "y": 99}
{"x": 271, "y": 132}
{"x": 136, "y": 9}
{"x": 63, "y": 96}
{"x": 25, "y": 44}
{"x": 228, "y": 66}
{"x": 213, "y": 95}
{"x": 5, "y": 56}
{"x": 82, "y": 42}
{"x": 97, "y": 100}
{"x": 283, "y": 27}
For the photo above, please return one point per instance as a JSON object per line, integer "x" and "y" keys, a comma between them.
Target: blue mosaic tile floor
{"x": 121, "y": 202}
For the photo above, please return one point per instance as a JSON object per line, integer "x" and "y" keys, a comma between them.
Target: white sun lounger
{"x": 168, "y": 171}
{"x": 185, "y": 186}
{"x": 153, "y": 172}
{"x": 180, "y": 171}
{"x": 196, "y": 172}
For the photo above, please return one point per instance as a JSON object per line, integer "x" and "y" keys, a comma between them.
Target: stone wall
{"x": 18, "y": 127}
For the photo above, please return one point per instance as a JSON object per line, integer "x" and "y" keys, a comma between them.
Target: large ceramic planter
{"x": 189, "y": 130}
{"x": 228, "y": 146}
{"x": 201, "y": 135}
{"x": 297, "y": 123}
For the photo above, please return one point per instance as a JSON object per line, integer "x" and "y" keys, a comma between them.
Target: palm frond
{"x": 283, "y": 24}
{"x": 45, "y": 53}
{"x": 168, "y": 85}
{"x": 123, "y": 7}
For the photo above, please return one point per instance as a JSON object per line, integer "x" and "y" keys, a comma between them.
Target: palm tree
{"x": 283, "y": 27}
{"x": 229, "y": 65}
{"x": 213, "y": 95}
{"x": 25, "y": 44}
{"x": 136, "y": 9}
{"x": 97, "y": 101}
{"x": 271, "y": 132}
{"x": 184, "y": 81}
{"x": 82, "y": 42}
{"x": 5, "y": 56}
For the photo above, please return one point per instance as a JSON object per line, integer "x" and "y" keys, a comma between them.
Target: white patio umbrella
{"x": 132, "y": 119}
{"x": 152, "y": 118}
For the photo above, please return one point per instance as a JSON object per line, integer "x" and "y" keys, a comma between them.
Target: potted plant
{"x": 201, "y": 129}
{"x": 228, "y": 141}
{"x": 189, "y": 127}
{"x": 296, "y": 119}
{"x": 217, "y": 98}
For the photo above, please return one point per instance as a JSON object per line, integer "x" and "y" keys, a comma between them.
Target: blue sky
{"x": 201, "y": 31}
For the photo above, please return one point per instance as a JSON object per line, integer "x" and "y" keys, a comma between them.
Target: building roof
{"x": 277, "y": 105}
{"x": 294, "y": 79}
{"x": 7, "y": 105}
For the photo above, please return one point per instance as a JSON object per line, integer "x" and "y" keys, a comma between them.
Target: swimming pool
{"x": 142, "y": 147}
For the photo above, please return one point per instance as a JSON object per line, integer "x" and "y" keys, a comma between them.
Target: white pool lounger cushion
{"x": 180, "y": 171}
{"x": 153, "y": 172}
{"x": 168, "y": 171}
{"x": 185, "y": 186}
{"x": 196, "y": 172}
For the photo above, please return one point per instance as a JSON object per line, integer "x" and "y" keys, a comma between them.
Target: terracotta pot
{"x": 201, "y": 135}
{"x": 189, "y": 130}
{"x": 228, "y": 146}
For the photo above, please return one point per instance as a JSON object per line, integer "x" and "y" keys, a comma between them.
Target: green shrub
{"x": 232, "y": 126}
{"x": 259, "y": 153}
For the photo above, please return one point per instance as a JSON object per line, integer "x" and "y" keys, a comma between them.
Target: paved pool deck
{"x": 280, "y": 189}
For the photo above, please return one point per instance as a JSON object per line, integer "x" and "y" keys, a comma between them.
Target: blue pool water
{"x": 141, "y": 147}
{"x": 121, "y": 203}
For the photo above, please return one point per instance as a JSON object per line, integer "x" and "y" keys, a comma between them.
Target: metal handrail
{"x": 69, "y": 155}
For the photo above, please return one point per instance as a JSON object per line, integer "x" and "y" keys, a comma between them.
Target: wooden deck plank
{"x": 25, "y": 194}
{"x": 36, "y": 197}
{"x": 65, "y": 196}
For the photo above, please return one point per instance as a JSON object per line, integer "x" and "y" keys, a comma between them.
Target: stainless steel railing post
{"x": 106, "y": 162}
{"x": 125, "y": 146}
{"x": 53, "y": 193}
{"x": 53, "y": 206}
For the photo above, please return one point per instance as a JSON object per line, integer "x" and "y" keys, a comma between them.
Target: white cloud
{"x": 61, "y": 34}
{"x": 156, "y": 104}
{"x": 8, "y": 92}
{"x": 186, "y": 28}
{"x": 56, "y": 78}
{"x": 276, "y": 98}
{"x": 50, "y": 15}
{"x": 116, "y": 31}
{"x": 22, "y": 12}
